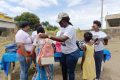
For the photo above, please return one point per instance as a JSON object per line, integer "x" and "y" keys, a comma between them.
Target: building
{"x": 112, "y": 21}
{"x": 6, "y": 21}
{"x": 113, "y": 24}
{"x": 6, "y": 24}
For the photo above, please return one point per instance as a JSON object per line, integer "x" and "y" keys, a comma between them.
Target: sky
{"x": 82, "y": 12}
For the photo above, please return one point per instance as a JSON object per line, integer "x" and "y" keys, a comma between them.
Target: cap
{"x": 61, "y": 16}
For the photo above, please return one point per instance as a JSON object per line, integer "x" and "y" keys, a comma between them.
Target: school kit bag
{"x": 46, "y": 55}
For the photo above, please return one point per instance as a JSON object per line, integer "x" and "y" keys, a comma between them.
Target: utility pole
{"x": 102, "y": 1}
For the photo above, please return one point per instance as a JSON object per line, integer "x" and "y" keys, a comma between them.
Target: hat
{"x": 61, "y": 16}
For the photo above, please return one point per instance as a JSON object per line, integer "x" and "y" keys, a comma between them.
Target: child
{"x": 88, "y": 63}
{"x": 43, "y": 72}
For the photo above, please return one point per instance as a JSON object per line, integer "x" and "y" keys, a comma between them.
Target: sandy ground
{"x": 111, "y": 69}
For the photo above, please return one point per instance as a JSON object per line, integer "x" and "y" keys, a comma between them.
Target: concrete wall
{"x": 113, "y": 32}
{"x": 115, "y": 18}
{"x": 5, "y": 24}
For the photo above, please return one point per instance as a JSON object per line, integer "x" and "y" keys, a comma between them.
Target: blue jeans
{"x": 98, "y": 62}
{"x": 24, "y": 66}
{"x": 68, "y": 63}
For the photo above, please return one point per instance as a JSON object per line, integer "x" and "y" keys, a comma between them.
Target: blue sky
{"x": 82, "y": 12}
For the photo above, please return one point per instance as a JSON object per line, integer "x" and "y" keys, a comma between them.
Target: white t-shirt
{"x": 99, "y": 35}
{"x": 24, "y": 37}
{"x": 69, "y": 45}
{"x": 60, "y": 32}
{"x": 34, "y": 34}
{"x": 39, "y": 42}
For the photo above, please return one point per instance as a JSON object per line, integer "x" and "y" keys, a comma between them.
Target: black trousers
{"x": 98, "y": 62}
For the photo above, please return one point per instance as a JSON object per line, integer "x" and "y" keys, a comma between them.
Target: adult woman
{"x": 24, "y": 43}
{"x": 70, "y": 52}
{"x": 100, "y": 39}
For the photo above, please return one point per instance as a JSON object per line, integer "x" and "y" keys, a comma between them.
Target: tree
{"x": 30, "y": 17}
{"x": 46, "y": 23}
{"x": 48, "y": 26}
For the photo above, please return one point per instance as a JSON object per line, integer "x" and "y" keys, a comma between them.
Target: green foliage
{"x": 49, "y": 27}
{"x": 4, "y": 32}
{"x": 30, "y": 17}
{"x": 46, "y": 23}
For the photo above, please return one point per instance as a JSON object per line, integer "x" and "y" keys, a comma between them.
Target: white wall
{"x": 4, "y": 24}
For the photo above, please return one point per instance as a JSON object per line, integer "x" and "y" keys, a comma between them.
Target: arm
{"x": 68, "y": 34}
{"x": 59, "y": 39}
{"x": 34, "y": 45}
{"x": 33, "y": 49}
{"x": 104, "y": 40}
{"x": 22, "y": 48}
{"x": 33, "y": 54}
{"x": 83, "y": 58}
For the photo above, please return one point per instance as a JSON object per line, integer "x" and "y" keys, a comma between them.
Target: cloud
{"x": 16, "y": 7}
{"x": 12, "y": 10}
{"x": 82, "y": 16}
{"x": 82, "y": 12}
{"x": 14, "y": 1}
{"x": 4, "y": 5}
{"x": 18, "y": 10}
{"x": 72, "y": 3}
{"x": 55, "y": 2}
{"x": 50, "y": 18}
{"x": 111, "y": 6}
{"x": 36, "y": 4}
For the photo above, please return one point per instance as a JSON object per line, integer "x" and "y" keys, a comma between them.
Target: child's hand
{"x": 105, "y": 42}
{"x": 97, "y": 42}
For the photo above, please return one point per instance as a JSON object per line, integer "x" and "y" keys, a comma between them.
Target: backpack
{"x": 46, "y": 54}
{"x": 11, "y": 47}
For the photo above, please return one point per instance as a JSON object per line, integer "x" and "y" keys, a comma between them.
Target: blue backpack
{"x": 11, "y": 47}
